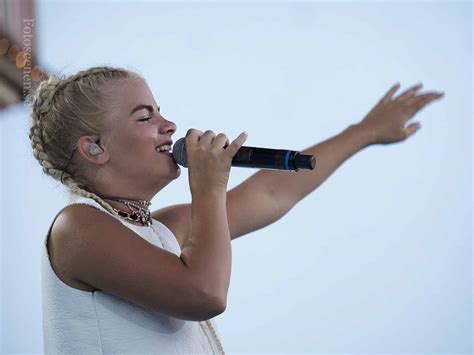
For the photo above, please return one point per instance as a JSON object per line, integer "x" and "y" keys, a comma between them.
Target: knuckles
{"x": 190, "y": 136}
{"x": 209, "y": 132}
{"x": 193, "y": 136}
{"x": 193, "y": 131}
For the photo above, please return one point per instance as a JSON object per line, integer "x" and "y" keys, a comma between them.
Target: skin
{"x": 129, "y": 152}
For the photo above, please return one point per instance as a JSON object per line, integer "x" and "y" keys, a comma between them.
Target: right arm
{"x": 208, "y": 249}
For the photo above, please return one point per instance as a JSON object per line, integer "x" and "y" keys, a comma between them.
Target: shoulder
{"x": 66, "y": 232}
{"x": 78, "y": 227}
{"x": 77, "y": 218}
{"x": 81, "y": 237}
{"x": 70, "y": 217}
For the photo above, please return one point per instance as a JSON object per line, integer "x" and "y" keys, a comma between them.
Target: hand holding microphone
{"x": 209, "y": 162}
{"x": 253, "y": 157}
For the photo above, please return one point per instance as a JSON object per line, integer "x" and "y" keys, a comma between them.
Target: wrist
{"x": 365, "y": 135}
{"x": 210, "y": 192}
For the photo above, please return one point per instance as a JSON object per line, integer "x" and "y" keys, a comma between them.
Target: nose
{"x": 168, "y": 127}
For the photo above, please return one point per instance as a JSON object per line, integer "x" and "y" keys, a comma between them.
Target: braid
{"x": 41, "y": 134}
{"x": 85, "y": 73}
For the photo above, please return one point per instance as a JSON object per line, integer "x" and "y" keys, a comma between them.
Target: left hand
{"x": 385, "y": 123}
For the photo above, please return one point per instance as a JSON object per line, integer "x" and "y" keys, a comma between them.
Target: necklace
{"x": 140, "y": 212}
{"x": 219, "y": 344}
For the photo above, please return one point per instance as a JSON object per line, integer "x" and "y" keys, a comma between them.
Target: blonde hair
{"x": 66, "y": 108}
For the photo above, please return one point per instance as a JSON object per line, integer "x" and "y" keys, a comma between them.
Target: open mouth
{"x": 165, "y": 152}
{"x": 166, "y": 148}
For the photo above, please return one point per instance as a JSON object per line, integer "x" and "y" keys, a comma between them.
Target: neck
{"x": 111, "y": 194}
{"x": 114, "y": 200}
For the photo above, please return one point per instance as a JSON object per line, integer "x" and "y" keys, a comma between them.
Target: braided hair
{"x": 64, "y": 109}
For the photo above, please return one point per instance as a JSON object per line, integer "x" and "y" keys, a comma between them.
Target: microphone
{"x": 256, "y": 157}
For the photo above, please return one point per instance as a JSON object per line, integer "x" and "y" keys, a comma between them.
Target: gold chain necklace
{"x": 140, "y": 212}
{"x": 214, "y": 334}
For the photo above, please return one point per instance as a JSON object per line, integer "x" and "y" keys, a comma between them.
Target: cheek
{"x": 128, "y": 150}
{"x": 135, "y": 144}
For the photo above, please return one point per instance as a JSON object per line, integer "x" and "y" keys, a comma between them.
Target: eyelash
{"x": 146, "y": 118}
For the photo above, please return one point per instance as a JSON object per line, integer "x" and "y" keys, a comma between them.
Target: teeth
{"x": 164, "y": 147}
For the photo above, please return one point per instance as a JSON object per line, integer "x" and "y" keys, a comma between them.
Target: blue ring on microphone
{"x": 287, "y": 158}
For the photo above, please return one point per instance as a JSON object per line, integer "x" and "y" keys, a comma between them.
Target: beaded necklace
{"x": 140, "y": 213}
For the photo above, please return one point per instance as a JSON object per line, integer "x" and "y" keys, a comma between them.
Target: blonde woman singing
{"x": 119, "y": 278}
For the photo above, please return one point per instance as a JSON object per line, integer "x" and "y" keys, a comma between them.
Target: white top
{"x": 83, "y": 322}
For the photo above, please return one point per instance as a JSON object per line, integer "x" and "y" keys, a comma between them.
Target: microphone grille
{"x": 179, "y": 152}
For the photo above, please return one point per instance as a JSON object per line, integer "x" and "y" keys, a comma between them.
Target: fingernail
{"x": 245, "y": 132}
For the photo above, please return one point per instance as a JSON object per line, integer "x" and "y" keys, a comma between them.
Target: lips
{"x": 168, "y": 142}
{"x": 166, "y": 152}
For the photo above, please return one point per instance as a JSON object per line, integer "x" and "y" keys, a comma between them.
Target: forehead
{"x": 132, "y": 92}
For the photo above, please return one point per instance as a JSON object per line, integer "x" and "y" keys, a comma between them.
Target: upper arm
{"x": 98, "y": 250}
{"x": 176, "y": 218}
{"x": 249, "y": 208}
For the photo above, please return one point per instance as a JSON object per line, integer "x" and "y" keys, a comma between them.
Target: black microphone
{"x": 255, "y": 157}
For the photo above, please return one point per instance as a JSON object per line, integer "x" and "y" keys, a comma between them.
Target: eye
{"x": 147, "y": 118}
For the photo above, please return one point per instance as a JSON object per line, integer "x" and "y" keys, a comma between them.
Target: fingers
{"x": 208, "y": 137}
{"x": 412, "y": 128}
{"x": 426, "y": 98}
{"x": 221, "y": 141}
{"x": 416, "y": 103}
{"x": 388, "y": 96}
{"x": 192, "y": 136}
{"x": 408, "y": 92}
{"x": 237, "y": 143}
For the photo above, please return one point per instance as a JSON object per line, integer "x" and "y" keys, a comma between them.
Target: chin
{"x": 178, "y": 171}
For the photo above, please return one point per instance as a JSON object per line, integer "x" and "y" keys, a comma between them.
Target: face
{"x": 138, "y": 127}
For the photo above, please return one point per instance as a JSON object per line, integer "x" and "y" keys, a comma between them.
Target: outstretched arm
{"x": 384, "y": 124}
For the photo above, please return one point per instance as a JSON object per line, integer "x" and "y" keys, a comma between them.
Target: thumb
{"x": 237, "y": 143}
{"x": 412, "y": 128}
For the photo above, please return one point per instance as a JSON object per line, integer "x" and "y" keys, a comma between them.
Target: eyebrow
{"x": 139, "y": 107}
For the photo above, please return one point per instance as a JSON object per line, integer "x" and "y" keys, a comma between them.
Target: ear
{"x": 83, "y": 146}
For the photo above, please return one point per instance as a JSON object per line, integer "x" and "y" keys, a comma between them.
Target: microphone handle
{"x": 272, "y": 159}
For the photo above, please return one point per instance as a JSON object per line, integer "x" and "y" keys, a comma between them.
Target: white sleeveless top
{"x": 83, "y": 322}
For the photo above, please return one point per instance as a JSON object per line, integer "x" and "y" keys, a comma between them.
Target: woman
{"x": 118, "y": 278}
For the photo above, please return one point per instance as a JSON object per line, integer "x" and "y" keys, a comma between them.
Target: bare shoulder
{"x": 64, "y": 234}
{"x": 58, "y": 251}
{"x": 177, "y": 219}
